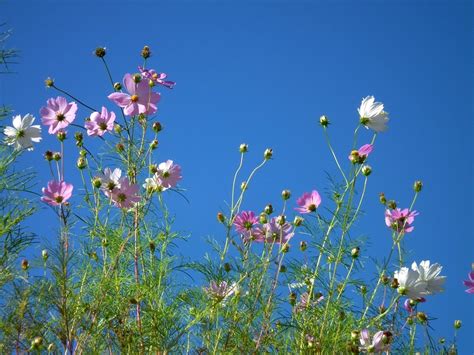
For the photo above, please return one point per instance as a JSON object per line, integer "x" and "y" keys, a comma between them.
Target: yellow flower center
{"x": 134, "y": 98}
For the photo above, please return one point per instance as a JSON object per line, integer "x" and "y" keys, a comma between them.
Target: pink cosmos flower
{"x": 155, "y": 77}
{"x": 124, "y": 196}
{"x": 274, "y": 232}
{"x": 100, "y": 122}
{"x": 57, "y": 192}
{"x": 245, "y": 221}
{"x": 378, "y": 344}
{"x": 470, "y": 283}
{"x": 400, "y": 220}
{"x": 359, "y": 156}
{"x": 168, "y": 174}
{"x": 140, "y": 97}
{"x": 309, "y": 202}
{"x": 58, "y": 114}
{"x": 221, "y": 290}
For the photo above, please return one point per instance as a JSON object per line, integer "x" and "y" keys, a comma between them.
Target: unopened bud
{"x": 457, "y": 324}
{"x": 366, "y": 170}
{"x": 417, "y": 186}
{"x": 382, "y": 309}
{"x": 83, "y": 153}
{"x": 285, "y": 249}
{"x": 392, "y": 204}
{"x": 44, "y": 254}
{"x": 382, "y": 198}
{"x": 48, "y": 155}
{"x": 220, "y": 217}
{"x": 61, "y": 135}
{"x": 117, "y": 128}
{"x": 387, "y": 337}
{"x": 227, "y": 267}
{"x": 281, "y": 220}
{"x": 97, "y": 182}
{"x": 243, "y": 185}
{"x": 105, "y": 242}
{"x": 355, "y": 252}
{"x": 363, "y": 290}
{"x": 100, "y": 52}
{"x": 286, "y": 194}
{"x": 384, "y": 279}
{"x": 145, "y": 53}
{"x": 25, "y": 264}
{"x": 81, "y": 163}
{"x": 56, "y": 156}
{"x": 292, "y": 298}
{"x": 154, "y": 144}
{"x": 298, "y": 221}
{"x": 119, "y": 147}
{"x": 394, "y": 284}
{"x": 355, "y": 335}
{"x": 282, "y": 268}
{"x": 117, "y": 86}
{"x": 157, "y": 127}
{"x": 152, "y": 246}
{"x": 323, "y": 121}
{"x": 268, "y": 209}
{"x": 243, "y": 148}
{"x": 78, "y": 137}
{"x": 137, "y": 78}
{"x": 422, "y": 317}
{"x": 49, "y": 82}
{"x": 37, "y": 342}
{"x": 410, "y": 320}
{"x": 303, "y": 245}
{"x": 262, "y": 218}
{"x": 51, "y": 347}
{"x": 268, "y": 153}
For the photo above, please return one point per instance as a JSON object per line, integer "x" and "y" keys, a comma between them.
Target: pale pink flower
{"x": 168, "y": 175}
{"x": 158, "y": 78}
{"x": 110, "y": 180}
{"x": 308, "y": 202}
{"x": 100, "y": 122}
{"x": 222, "y": 290}
{"x": 306, "y": 303}
{"x": 126, "y": 195}
{"x": 274, "y": 232}
{"x": 57, "y": 192}
{"x": 379, "y": 343}
{"x": 140, "y": 97}
{"x": 58, "y": 114}
{"x": 400, "y": 220}
{"x": 470, "y": 283}
{"x": 360, "y": 155}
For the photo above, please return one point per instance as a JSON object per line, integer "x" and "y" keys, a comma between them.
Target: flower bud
{"x": 286, "y": 194}
{"x": 268, "y": 153}
{"x": 281, "y": 220}
{"x": 387, "y": 337}
{"x": 81, "y": 163}
{"x": 25, "y": 264}
{"x": 220, "y": 217}
{"x": 61, "y": 136}
{"x": 37, "y": 342}
{"x": 83, "y": 153}
{"x": 51, "y": 347}
{"x": 366, "y": 170}
{"x": 145, "y": 53}
{"x": 119, "y": 147}
{"x": 244, "y": 148}
{"x": 457, "y": 324}
{"x": 48, "y": 155}
{"x": 384, "y": 279}
{"x": 363, "y": 289}
{"x": 382, "y": 309}
{"x": 442, "y": 340}
{"x": 285, "y": 249}
{"x": 136, "y": 78}
{"x": 354, "y": 157}
{"x": 394, "y": 284}
{"x": 49, "y": 82}
{"x": 227, "y": 267}
{"x": 382, "y": 198}
{"x": 117, "y": 128}
{"x": 355, "y": 335}
{"x": 152, "y": 246}
{"x": 154, "y": 144}
{"x": 417, "y": 186}
{"x": 105, "y": 242}
{"x": 298, "y": 221}
{"x": 392, "y": 204}
{"x": 303, "y": 245}
{"x": 262, "y": 218}
{"x": 97, "y": 182}
{"x": 117, "y": 86}
{"x": 78, "y": 137}
{"x": 243, "y": 186}
{"x": 410, "y": 320}
{"x": 323, "y": 121}
{"x": 292, "y": 298}
{"x": 100, "y": 52}
{"x": 142, "y": 119}
{"x": 355, "y": 252}
{"x": 422, "y": 317}
{"x": 157, "y": 127}
{"x": 44, "y": 254}
{"x": 56, "y": 156}
{"x": 282, "y": 268}
{"x": 268, "y": 209}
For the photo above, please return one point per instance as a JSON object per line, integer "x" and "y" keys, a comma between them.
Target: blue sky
{"x": 262, "y": 73}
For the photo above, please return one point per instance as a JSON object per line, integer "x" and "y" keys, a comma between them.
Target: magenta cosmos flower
{"x": 124, "y": 196}
{"x": 57, "y": 192}
{"x": 360, "y": 155}
{"x": 58, "y": 114}
{"x": 158, "y": 78}
{"x": 309, "y": 202}
{"x": 100, "y": 122}
{"x": 470, "y": 283}
{"x": 140, "y": 97}
{"x": 246, "y": 223}
{"x": 168, "y": 175}
{"x": 400, "y": 220}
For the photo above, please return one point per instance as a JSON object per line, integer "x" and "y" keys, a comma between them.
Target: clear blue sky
{"x": 262, "y": 73}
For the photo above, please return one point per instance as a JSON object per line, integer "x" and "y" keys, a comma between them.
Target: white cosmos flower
{"x": 410, "y": 283}
{"x": 429, "y": 273}
{"x": 372, "y": 114}
{"x": 23, "y": 133}
{"x": 110, "y": 179}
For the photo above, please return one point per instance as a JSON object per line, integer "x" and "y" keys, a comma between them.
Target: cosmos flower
{"x": 409, "y": 283}
{"x": 110, "y": 180}
{"x": 221, "y": 291}
{"x": 158, "y": 78}
{"x": 57, "y": 192}
{"x": 360, "y": 155}
{"x": 305, "y": 302}
{"x": 168, "y": 174}
{"x": 429, "y": 273}
{"x": 245, "y": 221}
{"x": 274, "y": 232}
{"x": 379, "y": 342}
{"x": 372, "y": 114}
{"x": 23, "y": 133}
{"x": 126, "y": 195}
{"x": 140, "y": 97}
{"x": 100, "y": 122}
{"x": 400, "y": 220}
{"x": 470, "y": 283}
{"x": 58, "y": 114}
{"x": 308, "y": 202}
